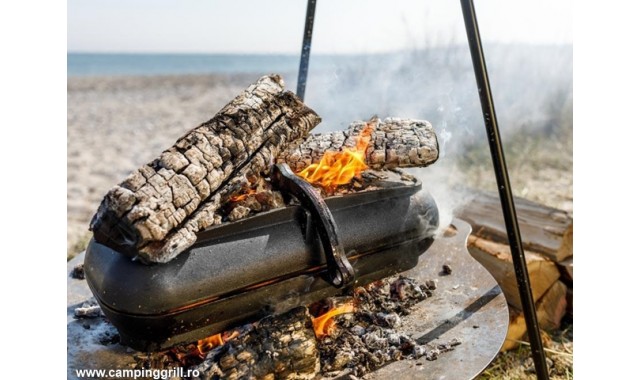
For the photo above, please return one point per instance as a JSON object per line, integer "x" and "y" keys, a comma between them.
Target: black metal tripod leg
{"x": 504, "y": 187}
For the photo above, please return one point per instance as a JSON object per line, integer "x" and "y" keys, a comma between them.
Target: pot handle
{"x": 341, "y": 272}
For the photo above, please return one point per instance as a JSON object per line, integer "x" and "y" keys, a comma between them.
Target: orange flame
{"x": 324, "y": 324}
{"x": 207, "y": 344}
{"x": 243, "y": 196}
{"x": 339, "y": 168}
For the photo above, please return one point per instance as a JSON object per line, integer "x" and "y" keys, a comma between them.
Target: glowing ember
{"x": 243, "y": 196}
{"x": 207, "y": 344}
{"x": 324, "y": 324}
{"x": 339, "y": 168}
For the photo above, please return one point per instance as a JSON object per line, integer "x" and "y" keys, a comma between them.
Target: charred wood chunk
{"x": 278, "y": 347}
{"x": 250, "y": 204}
{"x": 78, "y": 272}
{"x": 394, "y": 143}
{"x": 156, "y": 211}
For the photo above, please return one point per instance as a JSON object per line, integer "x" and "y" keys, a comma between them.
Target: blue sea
{"x": 93, "y": 64}
{"x": 107, "y": 64}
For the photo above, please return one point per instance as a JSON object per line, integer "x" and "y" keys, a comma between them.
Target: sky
{"x": 275, "y": 26}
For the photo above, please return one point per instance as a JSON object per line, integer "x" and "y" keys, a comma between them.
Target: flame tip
{"x": 324, "y": 324}
{"x": 339, "y": 168}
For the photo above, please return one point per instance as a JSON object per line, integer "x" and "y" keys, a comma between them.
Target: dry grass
{"x": 540, "y": 167}
{"x": 517, "y": 363}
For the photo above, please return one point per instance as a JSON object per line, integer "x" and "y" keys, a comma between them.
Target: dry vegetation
{"x": 540, "y": 162}
{"x": 541, "y": 169}
{"x": 517, "y": 364}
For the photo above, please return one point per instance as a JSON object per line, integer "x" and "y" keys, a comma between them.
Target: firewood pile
{"x": 547, "y": 237}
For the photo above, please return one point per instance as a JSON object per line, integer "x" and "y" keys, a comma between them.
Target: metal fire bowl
{"x": 467, "y": 305}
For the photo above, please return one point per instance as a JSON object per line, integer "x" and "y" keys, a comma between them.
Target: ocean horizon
{"x": 109, "y": 64}
{"x": 149, "y": 64}
{"x": 82, "y": 64}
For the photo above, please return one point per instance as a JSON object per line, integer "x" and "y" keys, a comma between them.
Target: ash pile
{"x": 372, "y": 335}
{"x": 363, "y": 333}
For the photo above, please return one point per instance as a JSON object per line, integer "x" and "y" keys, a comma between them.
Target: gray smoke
{"x": 531, "y": 85}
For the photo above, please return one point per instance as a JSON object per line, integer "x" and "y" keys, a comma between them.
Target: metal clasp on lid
{"x": 340, "y": 270}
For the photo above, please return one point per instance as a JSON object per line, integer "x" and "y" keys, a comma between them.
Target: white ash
{"x": 89, "y": 309}
{"x": 372, "y": 336}
{"x": 256, "y": 198}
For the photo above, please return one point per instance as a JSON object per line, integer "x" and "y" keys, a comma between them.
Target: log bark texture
{"x": 156, "y": 211}
{"x": 279, "y": 347}
{"x": 394, "y": 143}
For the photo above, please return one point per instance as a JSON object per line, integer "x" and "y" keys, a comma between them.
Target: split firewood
{"x": 550, "y": 310}
{"x": 545, "y": 230}
{"x": 496, "y": 258}
{"x": 280, "y": 347}
{"x": 394, "y": 143}
{"x": 156, "y": 211}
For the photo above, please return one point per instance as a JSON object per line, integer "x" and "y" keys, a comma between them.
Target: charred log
{"x": 394, "y": 143}
{"x": 279, "y": 347}
{"x": 250, "y": 204}
{"x": 156, "y": 211}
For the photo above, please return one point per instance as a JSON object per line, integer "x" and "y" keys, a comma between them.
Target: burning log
{"x": 393, "y": 143}
{"x": 279, "y": 347}
{"x": 356, "y": 333}
{"x": 156, "y": 211}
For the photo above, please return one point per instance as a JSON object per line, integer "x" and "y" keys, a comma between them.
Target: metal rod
{"x": 306, "y": 49}
{"x": 504, "y": 187}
